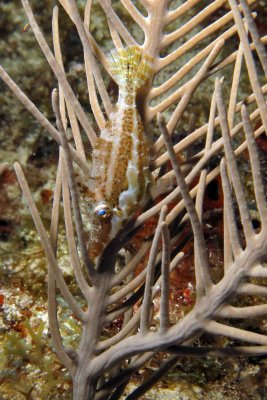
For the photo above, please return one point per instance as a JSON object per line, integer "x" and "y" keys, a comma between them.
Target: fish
{"x": 120, "y": 176}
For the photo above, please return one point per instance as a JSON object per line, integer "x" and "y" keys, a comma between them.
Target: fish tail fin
{"x": 130, "y": 66}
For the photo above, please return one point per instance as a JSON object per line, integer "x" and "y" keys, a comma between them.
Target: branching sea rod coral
{"x": 115, "y": 187}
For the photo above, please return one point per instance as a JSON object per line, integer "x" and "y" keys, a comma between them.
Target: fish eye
{"x": 103, "y": 211}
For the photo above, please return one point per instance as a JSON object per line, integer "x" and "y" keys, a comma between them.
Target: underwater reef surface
{"x": 28, "y": 367}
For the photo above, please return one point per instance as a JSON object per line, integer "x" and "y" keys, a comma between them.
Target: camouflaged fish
{"x": 120, "y": 159}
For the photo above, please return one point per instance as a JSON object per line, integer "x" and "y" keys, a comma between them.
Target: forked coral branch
{"x": 138, "y": 294}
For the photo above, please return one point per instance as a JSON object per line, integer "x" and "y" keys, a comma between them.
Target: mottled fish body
{"x": 120, "y": 159}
